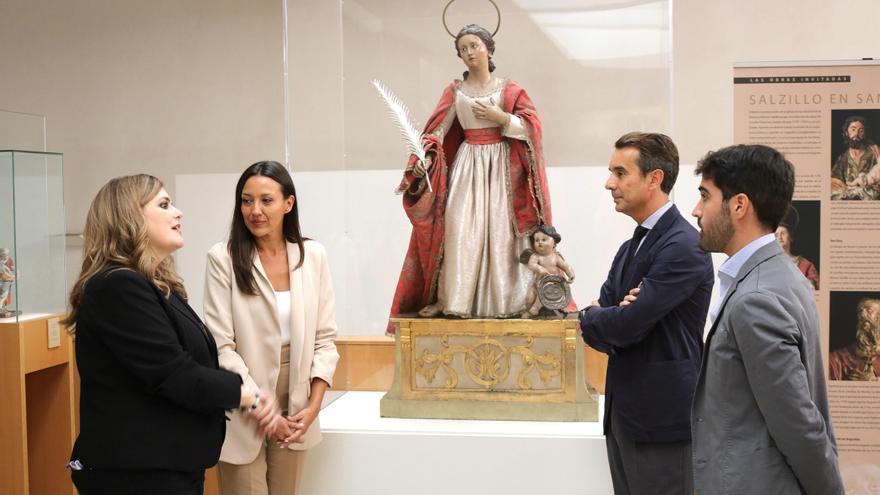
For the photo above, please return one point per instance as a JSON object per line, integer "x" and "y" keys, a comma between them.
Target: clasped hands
{"x": 271, "y": 423}
{"x": 292, "y": 429}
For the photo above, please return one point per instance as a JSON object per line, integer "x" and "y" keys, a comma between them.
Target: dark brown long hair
{"x": 242, "y": 246}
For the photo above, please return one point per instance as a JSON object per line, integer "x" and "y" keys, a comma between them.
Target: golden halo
{"x": 497, "y": 11}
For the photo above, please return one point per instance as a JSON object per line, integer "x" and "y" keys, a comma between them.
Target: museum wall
{"x": 594, "y": 70}
{"x": 710, "y": 36}
{"x": 163, "y": 87}
{"x": 192, "y": 92}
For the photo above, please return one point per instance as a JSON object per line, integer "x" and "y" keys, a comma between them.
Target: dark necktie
{"x": 638, "y": 235}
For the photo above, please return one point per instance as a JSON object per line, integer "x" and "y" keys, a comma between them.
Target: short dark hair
{"x": 760, "y": 172}
{"x": 549, "y": 231}
{"x": 656, "y": 151}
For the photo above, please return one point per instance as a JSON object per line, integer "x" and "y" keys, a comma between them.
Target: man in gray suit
{"x": 760, "y": 422}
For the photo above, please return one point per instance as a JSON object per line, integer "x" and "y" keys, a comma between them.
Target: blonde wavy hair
{"x": 116, "y": 234}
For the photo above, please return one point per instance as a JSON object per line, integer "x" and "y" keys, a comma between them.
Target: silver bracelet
{"x": 254, "y": 406}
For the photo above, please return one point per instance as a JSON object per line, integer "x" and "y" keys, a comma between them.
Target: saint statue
{"x": 488, "y": 193}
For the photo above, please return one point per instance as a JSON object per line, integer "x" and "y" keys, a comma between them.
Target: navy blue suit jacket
{"x": 655, "y": 344}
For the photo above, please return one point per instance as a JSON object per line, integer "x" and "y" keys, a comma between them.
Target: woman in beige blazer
{"x": 269, "y": 304}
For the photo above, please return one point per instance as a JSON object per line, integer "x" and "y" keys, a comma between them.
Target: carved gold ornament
{"x": 487, "y": 363}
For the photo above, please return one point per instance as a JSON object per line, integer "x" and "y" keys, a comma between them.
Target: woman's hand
{"x": 264, "y": 413}
{"x": 491, "y": 112}
{"x": 282, "y": 429}
{"x": 299, "y": 425}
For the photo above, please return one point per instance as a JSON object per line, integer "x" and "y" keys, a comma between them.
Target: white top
{"x": 730, "y": 268}
{"x": 282, "y": 300}
{"x": 463, "y": 109}
{"x": 465, "y": 103}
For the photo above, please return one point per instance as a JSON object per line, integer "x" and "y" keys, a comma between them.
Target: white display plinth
{"x": 363, "y": 453}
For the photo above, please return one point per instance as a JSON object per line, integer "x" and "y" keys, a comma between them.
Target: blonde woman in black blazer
{"x": 153, "y": 402}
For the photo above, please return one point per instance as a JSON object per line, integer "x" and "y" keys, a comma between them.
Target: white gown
{"x": 480, "y": 274}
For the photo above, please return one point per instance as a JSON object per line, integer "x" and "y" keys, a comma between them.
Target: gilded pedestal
{"x": 489, "y": 369}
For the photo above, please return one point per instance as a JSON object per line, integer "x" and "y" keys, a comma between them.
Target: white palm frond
{"x": 400, "y": 115}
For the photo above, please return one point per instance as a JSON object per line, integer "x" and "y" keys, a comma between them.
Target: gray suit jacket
{"x": 760, "y": 421}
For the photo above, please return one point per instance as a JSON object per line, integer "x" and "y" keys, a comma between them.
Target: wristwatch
{"x": 583, "y": 312}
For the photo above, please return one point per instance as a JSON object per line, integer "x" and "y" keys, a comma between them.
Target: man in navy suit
{"x": 649, "y": 319}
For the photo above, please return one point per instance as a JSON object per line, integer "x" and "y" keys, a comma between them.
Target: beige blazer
{"x": 248, "y": 336}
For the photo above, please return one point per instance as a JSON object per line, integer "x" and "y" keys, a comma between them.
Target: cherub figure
{"x": 544, "y": 260}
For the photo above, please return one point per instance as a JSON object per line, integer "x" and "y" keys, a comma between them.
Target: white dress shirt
{"x": 652, "y": 220}
{"x": 730, "y": 268}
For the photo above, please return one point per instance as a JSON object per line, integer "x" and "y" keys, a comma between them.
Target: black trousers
{"x": 642, "y": 468}
{"x": 138, "y": 482}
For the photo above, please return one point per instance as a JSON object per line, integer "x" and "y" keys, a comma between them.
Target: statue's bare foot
{"x": 430, "y": 311}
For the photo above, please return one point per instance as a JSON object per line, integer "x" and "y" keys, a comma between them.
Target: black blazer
{"x": 656, "y": 343}
{"x": 152, "y": 394}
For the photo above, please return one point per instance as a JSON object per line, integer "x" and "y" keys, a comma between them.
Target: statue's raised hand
{"x": 421, "y": 169}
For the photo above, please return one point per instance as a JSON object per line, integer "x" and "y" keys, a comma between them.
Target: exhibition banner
{"x": 825, "y": 118}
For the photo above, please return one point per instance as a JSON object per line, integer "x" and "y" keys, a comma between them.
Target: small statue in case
{"x": 7, "y": 280}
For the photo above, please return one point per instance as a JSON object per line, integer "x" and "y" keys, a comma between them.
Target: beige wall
{"x": 195, "y": 87}
{"x": 130, "y": 86}
{"x": 22, "y": 131}
{"x": 551, "y": 47}
{"x": 711, "y": 35}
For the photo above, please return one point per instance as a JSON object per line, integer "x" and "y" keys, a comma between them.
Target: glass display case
{"x": 32, "y": 252}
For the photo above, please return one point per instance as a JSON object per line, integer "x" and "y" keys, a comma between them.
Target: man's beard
{"x": 854, "y": 143}
{"x": 868, "y": 333}
{"x": 716, "y": 236}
